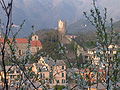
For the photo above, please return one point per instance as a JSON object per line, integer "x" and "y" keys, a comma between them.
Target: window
{"x": 110, "y": 57}
{"x": 62, "y": 74}
{"x": 51, "y": 68}
{"x": 39, "y": 69}
{"x": 63, "y": 81}
{"x": 20, "y": 52}
{"x": 86, "y": 57}
{"x": 51, "y": 74}
{"x": 43, "y": 75}
{"x": 11, "y": 71}
{"x": 13, "y": 76}
{"x": 35, "y": 37}
{"x": 40, "y": 75}
{"x": 10, "y": 76}
{"x": 51, "y": 81}
{"x": 17, "y": 71}
{"x": 57, "y": 81}
{"x": 62, "y": 67}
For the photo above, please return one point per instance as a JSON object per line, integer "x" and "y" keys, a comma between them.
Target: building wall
{"x": 59, "y": 75}
{"x": 44, "y": 75}
{"x": 22, "y": 48}
{"x": 35, "y": 49}
{"x": 61, "y": 30}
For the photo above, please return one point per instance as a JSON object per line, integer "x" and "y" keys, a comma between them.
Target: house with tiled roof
{"x": 35, "y": 44}
{"x": 46, "y": 70}
{"x": 53, "y": 71}
{"x": 21, "y": 45}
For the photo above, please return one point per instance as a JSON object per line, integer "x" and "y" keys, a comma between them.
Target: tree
{"x": 52, "y": 46}
{"x": 11, "y": 44}
{"x": 8, "y": 12}
{"x": 106, "y": 51}
{"x": 105, "y": 38}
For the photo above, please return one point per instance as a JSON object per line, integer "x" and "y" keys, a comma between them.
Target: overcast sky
{"x": 113, "y": 6}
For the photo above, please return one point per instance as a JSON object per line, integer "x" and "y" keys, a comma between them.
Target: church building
{"x": 21, "y": 45}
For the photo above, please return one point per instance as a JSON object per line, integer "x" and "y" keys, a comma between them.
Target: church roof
{"x": 21, "y": 40}
{"x": 53, "y": 63}
{"x": 35, "y": 43}
{"x": 18, "y": 40}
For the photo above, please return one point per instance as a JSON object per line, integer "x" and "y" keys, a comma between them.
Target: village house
{"x": 13, "y": 75}
{"x": 54, "y": 71}
{"x": 49, "y": 71}
{"x": 21, "y": 45}
{"x": 91, "y": 54}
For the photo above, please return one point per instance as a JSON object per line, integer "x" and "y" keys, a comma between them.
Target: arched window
{"x": 62, "y": 74}
{"x": 35, "y": 38}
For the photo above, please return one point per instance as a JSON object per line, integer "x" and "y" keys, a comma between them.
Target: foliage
{"x": 51, "y": 49}
{"x": 52, "y": 46}
{"x": 105, "y": 38}
{"x": 88, "y": 73}
{"x": 59, "y": 87}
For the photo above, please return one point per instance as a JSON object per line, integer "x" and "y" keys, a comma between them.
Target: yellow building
{"x": 55, "y": 71}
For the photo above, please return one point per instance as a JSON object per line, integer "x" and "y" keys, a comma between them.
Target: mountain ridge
{"x": 45, "y": 13}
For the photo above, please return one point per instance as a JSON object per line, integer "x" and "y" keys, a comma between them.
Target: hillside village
{"x": 80, "y": 52}
{"x": 47, "y": 71}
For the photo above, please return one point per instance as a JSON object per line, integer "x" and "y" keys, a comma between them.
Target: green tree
{"x": 105, "y": 38}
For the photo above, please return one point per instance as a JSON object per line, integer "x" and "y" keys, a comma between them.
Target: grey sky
{"x": 113, "y": 7}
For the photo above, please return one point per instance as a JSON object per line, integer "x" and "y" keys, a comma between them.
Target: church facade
{"x": 21, "y": 45}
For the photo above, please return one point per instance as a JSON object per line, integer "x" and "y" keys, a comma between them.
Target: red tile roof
{"x": 21, "y": 40}
{"x": 18, "y": 40}
{"x": 36, "y": 43}
{"x": 1, "y": 40}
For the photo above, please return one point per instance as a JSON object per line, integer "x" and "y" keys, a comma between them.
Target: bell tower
{"x": 61, "y": 29}
{"x": 34, "y": 38}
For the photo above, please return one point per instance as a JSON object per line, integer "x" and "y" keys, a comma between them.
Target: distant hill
{"x": 81, "y": 26}
{"x": 86, "y": 31}
{"x": 45, "y": 13}
{"x": 46, "y": 34}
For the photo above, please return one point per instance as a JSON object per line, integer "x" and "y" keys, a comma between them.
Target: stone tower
{"x": 61, "y": 29}
{"x": 35, "y": 38}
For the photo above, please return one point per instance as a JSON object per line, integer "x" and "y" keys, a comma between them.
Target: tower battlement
{"x": 62, "y": 27}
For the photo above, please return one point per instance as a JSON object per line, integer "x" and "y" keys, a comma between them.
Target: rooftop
{"x": 24, "y": 41}
{"x": 55, "y": 63}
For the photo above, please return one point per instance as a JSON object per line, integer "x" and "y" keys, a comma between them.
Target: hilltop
{"x": 45, "y": 13}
